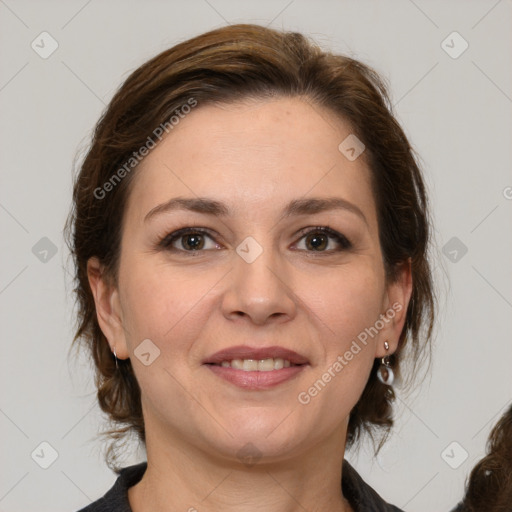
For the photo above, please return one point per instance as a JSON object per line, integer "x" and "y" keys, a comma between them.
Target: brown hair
{"x": 232, "y": 63}
{"x": 489, "y": 486}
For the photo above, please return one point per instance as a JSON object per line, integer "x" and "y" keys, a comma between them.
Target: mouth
{"x": 255, "y": 365}
{"x": 244, "y": 357}
{"x": 256, "y": 368}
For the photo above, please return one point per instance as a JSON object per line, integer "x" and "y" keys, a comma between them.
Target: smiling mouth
{"x": 257, "y": 365}
{"x": 257, "y": 374}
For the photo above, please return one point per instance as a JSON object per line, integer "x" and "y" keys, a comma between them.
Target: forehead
{"x": 253, "y": 155}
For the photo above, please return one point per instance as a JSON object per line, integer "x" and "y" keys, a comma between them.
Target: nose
{"x": 260, "y": 291}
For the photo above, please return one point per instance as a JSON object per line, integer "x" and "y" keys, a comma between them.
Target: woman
{"x": 250, "y": 233}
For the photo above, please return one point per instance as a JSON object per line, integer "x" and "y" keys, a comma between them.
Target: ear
{"x": 108, "y": 308}
{"x": 396, "y": 301}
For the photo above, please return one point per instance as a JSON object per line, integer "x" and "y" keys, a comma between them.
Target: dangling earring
{"x": 115, "y": 355}
{"x": 385, "y": 372}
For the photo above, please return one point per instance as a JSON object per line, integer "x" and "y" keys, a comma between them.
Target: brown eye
{"x": 318, "y": 239}
{"x": 192, "y": 241}
{"x": 188, "y": 240}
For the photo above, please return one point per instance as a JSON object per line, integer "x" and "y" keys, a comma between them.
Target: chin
{"x": 262, "y": 436}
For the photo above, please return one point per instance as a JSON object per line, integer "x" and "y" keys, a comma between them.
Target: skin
{"x": 255, "y": 156}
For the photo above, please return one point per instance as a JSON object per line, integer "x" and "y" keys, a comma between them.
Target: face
{"x": 251, "y": 272}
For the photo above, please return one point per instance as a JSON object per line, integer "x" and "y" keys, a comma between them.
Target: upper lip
{"x": 247, "y": 352}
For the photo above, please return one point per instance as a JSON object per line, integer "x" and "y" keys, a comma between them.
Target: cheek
{"x": 162, "y": 305}
{"x": 344, "y": 311}
{"x": 348, "y": 303}
{"x": 170, "y": 310}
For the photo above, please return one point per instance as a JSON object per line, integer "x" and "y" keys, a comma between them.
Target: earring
{"x": 115, "y": 355}
{"x": 385, "y": 372}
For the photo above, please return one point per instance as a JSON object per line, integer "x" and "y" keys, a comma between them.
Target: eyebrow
{"x": 295, "y": 207}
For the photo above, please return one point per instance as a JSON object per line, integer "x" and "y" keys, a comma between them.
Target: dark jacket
{"x": 360, "y": 495}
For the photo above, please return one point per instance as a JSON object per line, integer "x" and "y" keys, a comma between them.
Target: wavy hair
{"x": 489, "y": 486}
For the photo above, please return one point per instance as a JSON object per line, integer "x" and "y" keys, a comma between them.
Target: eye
{"x": 318, "y": 238}
{"x": 192, "y": 240}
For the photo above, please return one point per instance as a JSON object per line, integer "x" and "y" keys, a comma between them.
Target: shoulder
{"x": 116, "y": 498}
{"x": 360, "y": 495}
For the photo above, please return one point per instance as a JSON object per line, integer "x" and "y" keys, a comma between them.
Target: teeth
{"x": 254, "y": 365}
{"x": 249, "y": 365}
{"x": 236, "y": 363}
{"x": 279, "y": 363}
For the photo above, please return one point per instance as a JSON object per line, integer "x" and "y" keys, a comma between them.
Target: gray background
{"x": 456, "y": 112}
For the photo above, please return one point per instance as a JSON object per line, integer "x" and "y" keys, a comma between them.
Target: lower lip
{"x": 256, "y": 380}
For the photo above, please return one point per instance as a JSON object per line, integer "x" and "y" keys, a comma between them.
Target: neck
{"x": 181, "y": 476}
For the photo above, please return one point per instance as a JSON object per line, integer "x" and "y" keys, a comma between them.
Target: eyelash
{"x": 167, "y": 241}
